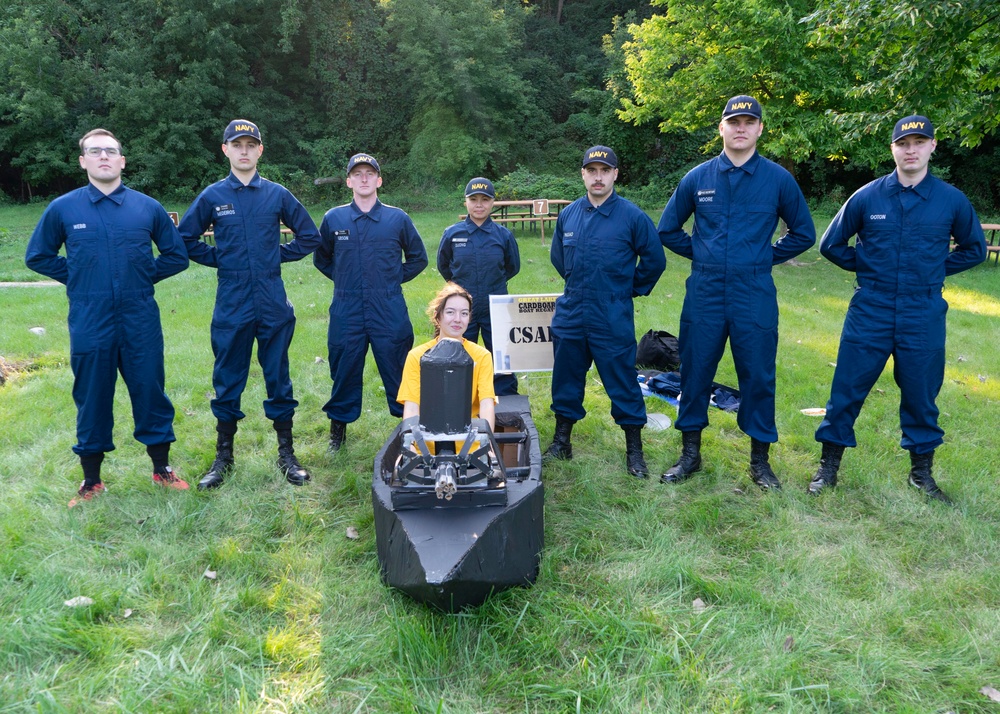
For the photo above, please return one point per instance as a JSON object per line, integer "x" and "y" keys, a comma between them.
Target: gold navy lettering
{"x": 913, "y": 125}
{"x": 595, "y": 154}
{"x": 741, "y": 105}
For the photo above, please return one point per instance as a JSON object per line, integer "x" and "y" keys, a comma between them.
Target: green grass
{"x": 868, "y": 599}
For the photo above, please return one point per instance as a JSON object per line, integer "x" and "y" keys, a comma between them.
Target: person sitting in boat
{"x": 449, "y": 312}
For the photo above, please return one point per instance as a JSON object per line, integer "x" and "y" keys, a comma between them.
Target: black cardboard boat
{"x": 454, "y": 526}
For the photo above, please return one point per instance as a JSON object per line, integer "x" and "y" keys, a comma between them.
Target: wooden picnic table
{"x": 175, "y": 217}
{"x": 285, "y": 233}
{"x": 992, "y": 241}
{"x": 534, "y": 213}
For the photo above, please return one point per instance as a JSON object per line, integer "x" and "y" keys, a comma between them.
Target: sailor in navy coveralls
{"x": 114, "y": 322}
{"x": 904, "y": 224}
{"x": 607, "y": 251}
{"x": 737, "y": 199}
{"x": 246, "y": 213}
{"x": 481, "y": 256}
{"x": 368, "y": 250}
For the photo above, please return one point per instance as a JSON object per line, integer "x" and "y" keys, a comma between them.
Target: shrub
{"x": 522, "y": 185}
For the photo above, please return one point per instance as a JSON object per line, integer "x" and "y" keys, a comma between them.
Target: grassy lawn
{"x": 868, "y": 599}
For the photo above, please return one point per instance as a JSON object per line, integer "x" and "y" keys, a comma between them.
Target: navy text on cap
{"x": 742, "y": 105}
{"x": 240, "y": 127}
{"x": 600, "y": 155}
{"x": 913, "y": 124}
{"x": 480, "y": 185}
{"x": 363, "y": 159}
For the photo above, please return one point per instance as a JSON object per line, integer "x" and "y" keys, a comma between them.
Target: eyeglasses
{"x": 111, "y": 151}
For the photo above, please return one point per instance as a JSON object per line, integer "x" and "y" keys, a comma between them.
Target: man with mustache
{"x": 607, "y": 251}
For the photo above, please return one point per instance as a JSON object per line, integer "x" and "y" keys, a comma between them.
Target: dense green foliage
{"x": 941, "y": 57}
{"x": 444, "y": 89}
{"x": 472, "y": 109}
{"x": 438, "y": 89}
{"x": 833, "y": 76}
{"x": 685, "y": 63}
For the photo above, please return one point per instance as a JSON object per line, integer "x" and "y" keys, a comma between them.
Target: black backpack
{"x": 658, "y": 349}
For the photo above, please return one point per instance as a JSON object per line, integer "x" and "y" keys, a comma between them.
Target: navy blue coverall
{"x": 730, "y": 293}
{"x": 595, "y": 249}
{"x": 250, "y": 300}
{"x": 901, "y": 258}
{"x": 481, "y": 259}
{"x": 368, "y": 256}
{"x": 114, "y": 321}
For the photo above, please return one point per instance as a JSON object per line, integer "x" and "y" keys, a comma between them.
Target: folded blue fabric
{"x": 667, "y": 386}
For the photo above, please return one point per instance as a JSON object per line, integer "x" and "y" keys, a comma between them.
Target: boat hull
{"x": 453, "y": 558}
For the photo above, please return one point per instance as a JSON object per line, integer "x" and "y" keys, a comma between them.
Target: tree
{"x": 167, "y": 75}
{"x": 570, "y": 64}
{"x": 941, "y": 59}
{"x": 685, "y": 63}
{"x": 833, "y": 75}
{"x": 363, "y": 93}
{"x": 645, "y": 154}
{"x": 44, "y": 86}
{"x": 473, "y": 110}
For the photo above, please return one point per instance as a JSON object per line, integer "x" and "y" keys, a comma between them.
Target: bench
{"x": 992, "y": 241}
{"x": 175, "y": 217}
{"x": 533, "y": 213}
{"x": 286, "y": 234}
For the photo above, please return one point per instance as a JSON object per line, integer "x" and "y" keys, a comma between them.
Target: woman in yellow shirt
{"x": 449, "y": 312}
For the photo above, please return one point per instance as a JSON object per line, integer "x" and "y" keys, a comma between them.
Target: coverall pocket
{"x": 140, "y": 255}
{"x": 569, "y": 253}
{"x": 267, "y": 230}
{"x": 81, "y": 249}
{"x": 929, "y": 245}
{"x": 880, "y": 248}
{"x": 277, "y": 307}
{"x": 764, "y": 304}
{"x": 937, "y": 314}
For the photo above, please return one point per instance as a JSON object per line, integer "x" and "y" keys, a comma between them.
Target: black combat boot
{"x": 223, "y": 463}
{"x": 760, "y": 468}
{"x": 338, "y": 434}
{"x": 294, "y": 472}
{"x": 689, "y": 461}
{"x": 920, "y": 476}
{"x": 633, "y": 451}
{"x": 560, "y": 448}
{"x": 829, "y": 464}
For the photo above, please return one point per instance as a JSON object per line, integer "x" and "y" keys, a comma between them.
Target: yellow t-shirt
{"x": 482, "y": 374}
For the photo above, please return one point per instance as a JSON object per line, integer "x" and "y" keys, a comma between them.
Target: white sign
{"x": 522, "y": 332}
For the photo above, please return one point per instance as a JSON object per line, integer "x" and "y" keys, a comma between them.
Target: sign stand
{"x": 540, "y": 208}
